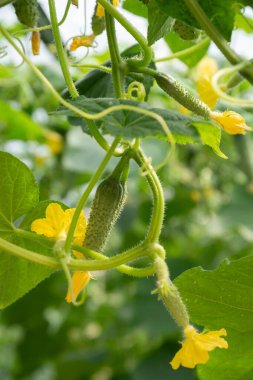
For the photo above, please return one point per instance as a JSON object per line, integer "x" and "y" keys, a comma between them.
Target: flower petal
{"x": 80, "y": 280}
{"x": 55, "y": 218}
{"x": 42, "y": 227}
{"x": 80, "y": 226}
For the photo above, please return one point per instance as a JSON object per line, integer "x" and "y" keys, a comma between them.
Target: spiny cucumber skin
{"x": 107, "y": 205}
{"x": 97, "y": 24}
{"x": 27, "y": 12}
{"x": 177, "y": 91}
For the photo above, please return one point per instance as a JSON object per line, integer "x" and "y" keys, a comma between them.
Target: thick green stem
{"x": 147, "y": 51}
{"x": 217, "y": 37}
{"x": 74, "y": 264}
{"x": 126, "y": 269}
{"x": 158, "y": 197}
{"x": 117, "y": 64}
{"x": 87, "y": 191}
{"x": 60, "y": 50}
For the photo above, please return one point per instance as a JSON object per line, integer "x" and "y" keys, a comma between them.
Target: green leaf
{"x": 223, "y": 298}
{"x": 17, "y": 125}
{"x": 136, "y": 7}
{"x": 157, "y": 30}
{"x": 243, "y": 22}
{"x": 130, "y": 124}
{"x": 221, "y": 13}
{"x": 19, "y": 194}
{"x": 177, "y": 44}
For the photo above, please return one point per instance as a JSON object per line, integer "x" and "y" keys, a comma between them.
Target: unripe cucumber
{"x": 177, "y": 91}
{"x": 186, "y": 32}
{"x": 97, "y": 23}
{"x": 107, "y": 205}
{"x": 27, "y": 12}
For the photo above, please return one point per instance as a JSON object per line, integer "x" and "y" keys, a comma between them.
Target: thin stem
{"x": 217, "y": 37}
{"x": 228, "y": 98}
{"x": 97, "y": 135}
{"x": 184, "y": 53}
{"x": 87, "y": 191}
{"x": 91, "y": 66}
{"x": 60, "y": 50}
{"x": 147, "y": 51}
{"x": 158, "y": 198}
{"x": 117, "y": 75}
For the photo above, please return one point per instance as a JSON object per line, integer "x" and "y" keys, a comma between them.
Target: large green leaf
{"x": 223, "y": 298}
{"x": 19, "y": 194}
{"x": 221, "y": 13}
{"x": 129, "y": 124}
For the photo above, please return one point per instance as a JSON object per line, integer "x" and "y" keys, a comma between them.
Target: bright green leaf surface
{"x": 19, "y": 194}
{"x": 223, "y": 298}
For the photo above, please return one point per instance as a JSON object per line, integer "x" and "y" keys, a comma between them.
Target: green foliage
{"x": 221, "y": 13}
{"x": 157, "y": 30}
{"x": 223, "y": 298}
{"x": 17, "y": 125}
{"x": 19, "y": 194}
{"x": 98, "y": 84}
{"x": 132, "y": 124}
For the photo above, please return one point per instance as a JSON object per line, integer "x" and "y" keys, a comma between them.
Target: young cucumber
{"x": 27, "y": 12}
{"x": 107, "y": 205}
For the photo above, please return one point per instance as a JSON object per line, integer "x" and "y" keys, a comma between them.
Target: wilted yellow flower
{"x": 56, "y": 225}
{"x": 100, "y": 11}
{"x": 206, "y": 68}
{"x": 232, "y": 122}
{"x": 196, "y": 346}
{"x": 86, "y": 41}
{"x": 54, "y": 141}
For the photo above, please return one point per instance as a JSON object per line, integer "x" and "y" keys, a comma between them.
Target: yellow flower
{"x": 82, "y": 41}
{"x": 100, "y": 12}
{"x": 54, "y": 141}
{"x": 232, "y": 122}
{"x": 196, "y": 346}
{"x": 205, "y": 70}
{"x": 56, "y": 225}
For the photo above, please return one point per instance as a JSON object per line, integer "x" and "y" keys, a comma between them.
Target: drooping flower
{"x": 206, "y": 68}
{"x": 232, "y": 122}
{"x": 196, "y": 346}
{"x": 56, "y": 225}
